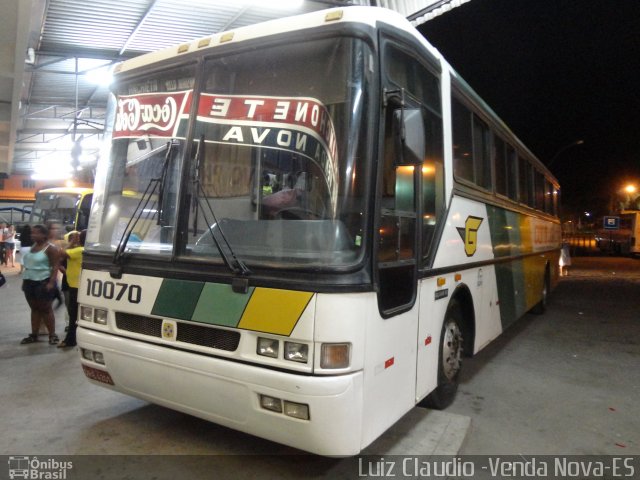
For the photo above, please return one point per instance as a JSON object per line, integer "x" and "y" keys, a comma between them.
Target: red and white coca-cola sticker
{"x": 153, "y": 114}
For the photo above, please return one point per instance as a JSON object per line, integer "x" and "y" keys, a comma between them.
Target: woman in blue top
{"x": 39, "y": 283}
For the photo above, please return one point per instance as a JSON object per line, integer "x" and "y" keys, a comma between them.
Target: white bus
{"x": 302, "y": 227}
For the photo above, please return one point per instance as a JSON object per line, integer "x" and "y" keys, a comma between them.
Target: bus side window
{"x": 432, "y": 171}
{"x": 397, "y": 228}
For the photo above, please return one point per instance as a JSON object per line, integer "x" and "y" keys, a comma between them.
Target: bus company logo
{"x": 34, "y": 468}
{"x": 149, "y": 114}
{"x": 169, "y": 330}
{"x": 469, "y": 234}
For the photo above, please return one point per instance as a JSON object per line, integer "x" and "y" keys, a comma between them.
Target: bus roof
{"x": 73, "y": 190}
{"x": 354, "y": 14}
{"x": 366, "y": 15}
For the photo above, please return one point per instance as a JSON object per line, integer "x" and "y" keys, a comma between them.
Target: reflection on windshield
{"x": 151, "y": 205}
{"x": 136, "y": 198}
{"x": 142, "y": 218}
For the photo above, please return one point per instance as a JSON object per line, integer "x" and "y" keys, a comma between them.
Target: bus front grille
{"x": 187, "y": 332}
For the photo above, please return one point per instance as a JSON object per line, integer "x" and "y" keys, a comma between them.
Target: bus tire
{"x": 449, "y": 360}
{"x": 541, "y": 307}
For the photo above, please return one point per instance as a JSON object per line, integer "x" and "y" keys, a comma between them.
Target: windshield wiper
{"x": 229, "y": 257}
{"x": 143, "y": 205}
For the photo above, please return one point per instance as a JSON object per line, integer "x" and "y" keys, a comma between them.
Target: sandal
{"x": 53, "y": 339}
{"x": 30, "y": 339}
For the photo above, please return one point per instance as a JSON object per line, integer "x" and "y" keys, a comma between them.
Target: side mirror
{"x": 408, "y": 133}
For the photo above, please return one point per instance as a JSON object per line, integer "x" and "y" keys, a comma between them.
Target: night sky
{"x": 557, "y": 71}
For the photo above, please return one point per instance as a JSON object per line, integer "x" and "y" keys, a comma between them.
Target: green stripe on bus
{"x": 177, "y": 299}
{"x": 510, "y": 283}
{"x": 511, "y": 236}
{"x": 506, "y": 232}
{"x": 220, "y": 305}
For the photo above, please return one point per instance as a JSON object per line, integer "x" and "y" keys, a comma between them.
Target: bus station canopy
{"x": 56, "y": 54}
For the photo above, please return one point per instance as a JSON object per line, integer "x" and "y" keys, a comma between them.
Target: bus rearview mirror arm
{"x": 407, "y": 129}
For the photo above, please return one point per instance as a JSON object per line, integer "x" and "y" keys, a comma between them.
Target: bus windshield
{"x": 60, "y": 207}
{"x": 277, "y": 172}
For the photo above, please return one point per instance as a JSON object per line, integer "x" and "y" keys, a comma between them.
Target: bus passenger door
{"x": 390, "y": 362}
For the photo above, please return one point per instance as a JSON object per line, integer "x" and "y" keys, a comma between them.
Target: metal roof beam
{"x": 138, "y": 27}
{"x": 36, "y": 132}
{"x": 61, "y": 50}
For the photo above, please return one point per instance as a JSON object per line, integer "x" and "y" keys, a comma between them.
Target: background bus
{"x": 624, "y": 240}
{"x": 303, "y": 226}
{"x": 69, "y": 206}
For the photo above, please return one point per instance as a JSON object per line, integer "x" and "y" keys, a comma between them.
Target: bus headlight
{"x": 296, "y": 410}
{"x": 296, "y": 352}
{"x": 335, "y": 355}
{"x": 271, "y": 403}
{"x": 100, "y": 316}
{"x": 90, "y": 314}
{"x": 86, "y": 313}
{"x": 268, "y": 347}
{"x": 98, "y": 357}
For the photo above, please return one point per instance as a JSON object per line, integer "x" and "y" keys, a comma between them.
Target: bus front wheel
{"x": 449, "y": 360}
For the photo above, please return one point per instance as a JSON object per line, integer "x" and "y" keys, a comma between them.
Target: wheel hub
{"x": 452, "y": 350}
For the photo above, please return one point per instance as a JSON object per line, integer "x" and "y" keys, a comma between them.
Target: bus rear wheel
{"x": 449, "y": 360}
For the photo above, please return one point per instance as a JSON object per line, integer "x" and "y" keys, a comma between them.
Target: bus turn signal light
{"x": 334, "y": 355}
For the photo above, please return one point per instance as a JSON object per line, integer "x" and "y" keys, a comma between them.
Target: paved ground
{"x": 563, "y": 383}
{"x": 53, "y": 410}
{"x": 567, "y": 382}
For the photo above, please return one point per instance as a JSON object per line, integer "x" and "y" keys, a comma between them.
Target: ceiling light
{"x": 51, "y": 175}
{"x": 100, "y": 76}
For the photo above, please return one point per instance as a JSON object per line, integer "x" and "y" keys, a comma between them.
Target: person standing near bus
{"x": 55, "y": 237}
{"x": 73, "y": 256}
{"x": 3, "y": 231}
{"x": 39, "y": 284}
{"x": 25, "y": 243}
{"x": 10, "y": 246}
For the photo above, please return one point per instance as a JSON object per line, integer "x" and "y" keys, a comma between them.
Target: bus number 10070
{"x": 114, "y": 290}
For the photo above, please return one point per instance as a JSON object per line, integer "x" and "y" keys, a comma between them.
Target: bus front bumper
{"x": 228, "y": 392}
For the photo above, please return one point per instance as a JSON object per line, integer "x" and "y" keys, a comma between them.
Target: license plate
{"x": 98, "y": 375}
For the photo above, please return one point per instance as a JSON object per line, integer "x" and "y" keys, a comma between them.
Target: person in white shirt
{"x": 9, "y": 245}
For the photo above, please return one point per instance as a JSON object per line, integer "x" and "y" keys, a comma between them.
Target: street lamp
{"x": 566, "y": 147}
{"x": 630, "y": 202}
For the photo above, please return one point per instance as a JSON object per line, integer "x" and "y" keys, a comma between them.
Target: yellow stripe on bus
{"x": 274, "y": 311}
